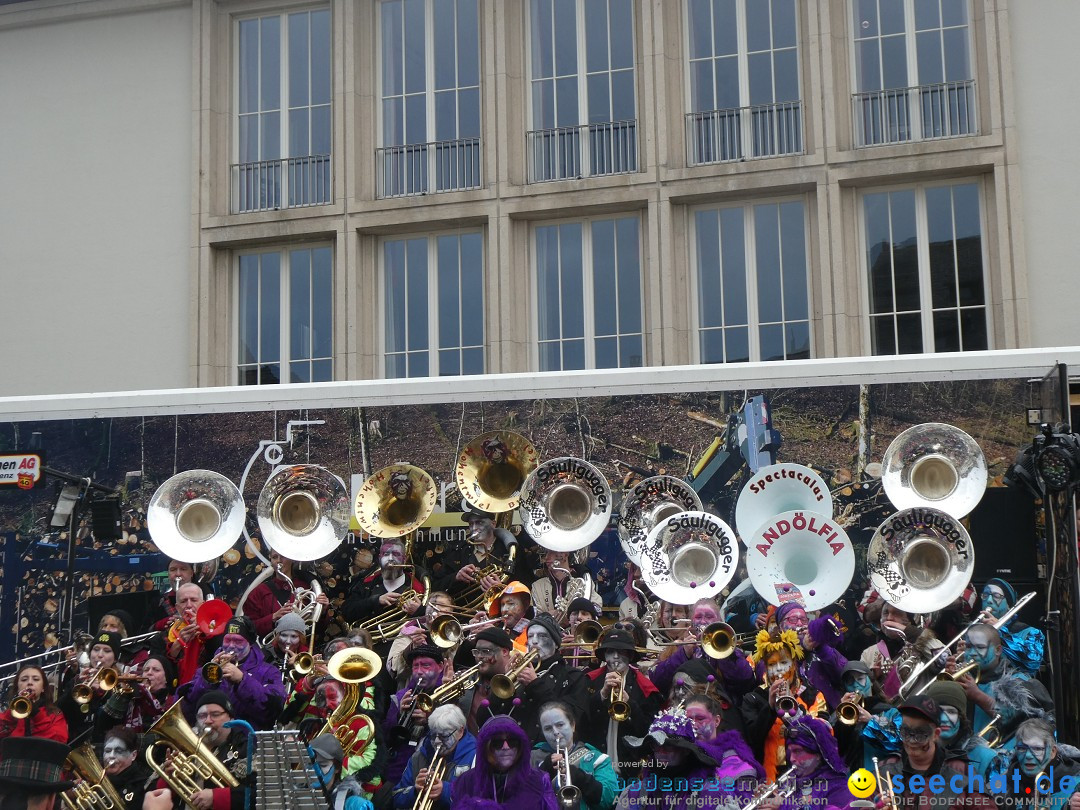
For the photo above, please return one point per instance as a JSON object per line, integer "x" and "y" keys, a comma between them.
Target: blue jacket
{"x": 462, "y": 759}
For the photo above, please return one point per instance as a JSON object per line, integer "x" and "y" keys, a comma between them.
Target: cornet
{"x": 994, "y": 739}
{"x": 23, "y": 705}
{"x": 212, "y": 670}
{"x": 848, "y": 711}
{"x": 504, "y": 686}
{"x": 619, "y": 708}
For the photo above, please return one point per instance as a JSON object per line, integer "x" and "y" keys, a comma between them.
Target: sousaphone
{"x": 647, "y": 505}
{"x": 934, "y": 465}
{"x": 303, "y": 511}
{"x": 395, "y": 501}
{"x": 800, "y": 555}
{"x": 779, "y": 488}
{"x": 195, "y": 516}
{"x": 565, "y": 504}
{"x": 689, "y": 556}
{"x": 492, "y": 468}
{"x": 920, "y": 559}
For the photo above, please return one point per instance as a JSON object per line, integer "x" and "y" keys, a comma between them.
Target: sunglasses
{"x": 500, "y": 742}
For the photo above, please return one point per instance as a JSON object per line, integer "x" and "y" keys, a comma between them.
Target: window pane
{"x": 786, "y": 76}
{"x": 468, "y": 47}
{"x": 300, "y": 372}
{"x": 320, "y": 131}
{"x": 248, "y": 315}
{"x": 927, "y": 14}
{"x": 468, "y": 114}
{"x": 570, "y": 277}
{"x": 299, "y": 304}
{"x": 973, "y": 329}
{"x": 596, "y": 35}
{"x": 882, "y": 335}
{"x": 725, "y": 27}
{"x": 573, "y": 355}
{"x": 772, "y": 342}
{"x": 623, "y": 107}
{"x": 894, "y": 62}
{"x": 416, "y": 294}
{"x": 969, "y": 245}
{"x": 737, "y": 345}
{"x": 797, "y": 337}
{"x": 322, "y": 371}
{"x": 472, "y": 361}
{"x": 954, "y": 12}
{"x": 270, "y": 307}
{"x": 629, "y": 275}
{"x": 928, "y": 48}
{"x": 392, "y": 56}
{"x": 395, "y": 366}
{"x": 449, "y": 362}
{"x": 321, "y": 51}
{"x": 733, "y": 266}
{"x": 607, "y": 352}
{"x": 298, "y": 60}
{"x": 394, "y": 267}
{"x": 565, "y": 37}
{"x": 909, "y": 334}
{"x": 472, "y": 292}
{"x": 892, "y": 16}
{"x": 443, "y": 35}
{"x": 448, "y": 289}
{"x": 547, "y": 272}
{"x": 784, "y": 23}
{"x": 414, "y": 46}
{"x": 541, "y": 47}
{"x": 550, "y": 356}
{"x": 298, "y": 133}
{"x": 759, "y": 67}
{"x": 604, "y": 289}
{"x": 712, "y": 346}
{"x": 599, "y": 98}
{"x": 418, "y": 364}
{"x": 622, "y": 34}
{"x": 249, "y": 65}
{"x": 630, "y": 352}
{"x": 707, "y": 236}
{"x": 699, "y": 21}
{"x": 905, "y": 250}
{"x": 701, "y": 86}
{"x": 270, "y": 73}
{"x": 946, "y": 331}
{"x": 866, "y": 19}
{"x": 941, "y": 248}
{"x": 767, "y": 246}
{"x": 322, "y": 294}
{"x": 957, "y": 57}
{"x": 868, "y": 67}
{"x": 793, "y": 254}
{"x": 879, "y": 252}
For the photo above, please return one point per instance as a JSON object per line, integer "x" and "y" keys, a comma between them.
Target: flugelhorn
{"x": 395, "y": 501}
{"x": 192, "y": 762}
{"x": 848, "y": 711}
{"x": 565, "y": 504}
{"x": 94, "y": 791}
{"x": 303, "y": 511}
{"x": 195, "y": 516}
{"x": 504, "y": 686}
{"x": 212, "y": 671}
{"x": 492, "y": 468}
{"x": 934, "y": 465}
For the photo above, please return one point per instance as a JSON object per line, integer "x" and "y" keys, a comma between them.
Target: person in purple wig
{"x": 821, "y": 775}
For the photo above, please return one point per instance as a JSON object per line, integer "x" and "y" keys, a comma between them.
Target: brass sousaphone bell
{"x": 565, "y": 504}
{"x": 649, "y": 503}
{"x": 395, "y": 501}
{"x": 303, "y": 511}
{"x": 195, "y": 516}
{"x": 492, "y": 468}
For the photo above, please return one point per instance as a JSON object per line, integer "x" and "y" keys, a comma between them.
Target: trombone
{"x": 504, "y": 686}
{"x": 446, "y": 631}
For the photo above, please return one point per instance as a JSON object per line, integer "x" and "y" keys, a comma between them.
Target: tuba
{"x": 648, "y": 504}
{"x": 352, "y": 666}
{"x": 195, "y": 516}
{"x": 303, "y": 511}
{"x": 190, "y": 760}
{"x": 689, "y": 556}
{"x": 780, "y": 488}
{"x": 492, "y": 468}
{"x": 565, "y": 504}
{"x": 395, "y": 501}
{"x": 934, "y": 465}
{"x": 94, "y": 791}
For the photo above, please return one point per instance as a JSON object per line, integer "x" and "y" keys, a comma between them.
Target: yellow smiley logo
{"x": 861, "y": 783}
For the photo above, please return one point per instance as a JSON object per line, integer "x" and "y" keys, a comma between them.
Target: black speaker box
{"x": 105, "y": 519}
{"x": 1005, "y": 536}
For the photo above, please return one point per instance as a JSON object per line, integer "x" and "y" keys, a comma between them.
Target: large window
{"x": 434, "y": 304}
{"x": 924, "y": 258}
{"x": 283, "y": 111}
{"x": 588, "y": 277}
{"x": 285, "y": 316}
{"x": 744, "y": 80}
{"x": 584, "y": 115}
{"x": 430, "y": 79}
{"x": 913, "y": 70}
{"x": 752, "y": 286}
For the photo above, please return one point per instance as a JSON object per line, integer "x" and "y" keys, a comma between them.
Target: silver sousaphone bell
{"x": 565, "y": 504}
{"x": 800, "y": 555}
{"x": 779, "y": 488}
{"x": 689, "y": 556}
{"x": 647, "y": 505}
{"x": 196, "y": 516}
{"x": 920, "y": 559}
{"x": 303, "y": 511}
{"x": 934, "y": 465}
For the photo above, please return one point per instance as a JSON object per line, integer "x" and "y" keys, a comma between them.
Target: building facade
{"x": 211, "y": 193}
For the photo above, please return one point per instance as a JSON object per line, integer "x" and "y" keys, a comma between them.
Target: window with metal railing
{"x": 283, "y": 107}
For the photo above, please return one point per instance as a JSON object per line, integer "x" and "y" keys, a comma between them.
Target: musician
{"x": 821, "y": 777}
{"x": 405, "y": 723}
{"x": 274, "y": 597}
{"x": 734, "y": 672}
{"x": 898, "y": 630}
{"x": 81, "y": 718}
{"x": 503, "y": 777}
{"x": 923, "y": 754}
{"x": 116, "y": 621}
{"x": 415, "y": 633}
{"x": 820, "y": 638}
{"x": 446, "y": 727}
{"x": 590, "y": 769}
{"x": 492, "y": 655}
{"x": 487, "y": 546}
{"x": 579, "y": 610}
{"x": 45, "y": 719}
{"x": 781, "y": 652}
{"x": 137, "y": 706}
{"x": 678, "y": 773}
{"x": 956, "y": 732}
{"x": 182, "y": 640}
{"x": 696, "y": 677}
{"x": 1037, "y": 752}
{"x": 345, "y": 793}
{"x": 550, "y": 588}
{"x": 619, "y": 654}
{"x": 381, "y": 590}
{"x": 635, "y": 604}
{"x": 550, "y": 678}
{"x": 290, "y": 638}
{"x": 166, "y": 611}
{"x": 30, "y": 773}
{"x": 253, "y": 686}
{"x": 514, "y": 605}
{"x": 124, "y": 768}
{"x": 859, "y": 687}
{"x": 727, "y": 746}
{"x": 1022, "y": 644}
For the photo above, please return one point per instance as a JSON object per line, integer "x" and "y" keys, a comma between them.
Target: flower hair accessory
{"x": 776, "y": 641}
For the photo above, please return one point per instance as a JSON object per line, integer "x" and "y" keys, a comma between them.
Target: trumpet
{"x": 450, "y": 690}
{"x": 619, "y": 708}
{"x": 435, "y": 771}
{"x": 104, "y": 678}
{"x": 569, "y": 796}
{"x": 212, "y": 670}
{"x": 848, "y": 711}
{"x": 23, "y": 704}
{"x": 386, "y": 625}
{"x": 888, "y": 798}
{"x": 504, "y": 686}
{"x": 995, "y": 739}
{"x": 782, "y": 788}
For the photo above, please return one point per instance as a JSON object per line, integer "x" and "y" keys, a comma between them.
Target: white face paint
{"x": 555, "y": 724}
{"x": 117, "y": 755}
{"x": 617, "y": 660}
{"x": 288, "y": 639}
{"x": 539, "y": 641}
{"x": 779, "y": 669}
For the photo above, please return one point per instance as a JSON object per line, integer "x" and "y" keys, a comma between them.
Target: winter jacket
{"x": 592, "y": 774}
{"x": 44, "y": 722}
{"x": 462, "y": 758}
{"x": 257, "y": 698}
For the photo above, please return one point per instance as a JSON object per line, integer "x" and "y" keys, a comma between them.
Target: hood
{"x": 816, "y": 735}
{"x": 516, "y": 777}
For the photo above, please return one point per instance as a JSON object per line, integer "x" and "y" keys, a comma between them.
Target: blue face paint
{"x": 994, "y": 601}
{"x": 949, "y": 723}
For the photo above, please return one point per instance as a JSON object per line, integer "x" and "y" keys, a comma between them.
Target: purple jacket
{"x": 523, "y": 787}
{"x": 257, "y": 698}
{"x": 733, "y": 672}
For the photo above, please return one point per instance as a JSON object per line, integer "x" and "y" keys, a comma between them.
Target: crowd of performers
{"x": 525, "y": 711}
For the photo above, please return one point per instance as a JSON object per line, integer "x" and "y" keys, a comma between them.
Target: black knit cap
{"x": 217, "y": 698}
{"x": 424, "y": 651}
{"x": 112, "y": 639}
{"x": 581, "y": 603}
{"x": 497, "y": 636}
{"x": 241, "y": 626}
{"x": 550, "y": 625}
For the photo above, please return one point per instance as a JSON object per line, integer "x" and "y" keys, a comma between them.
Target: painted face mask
{"x": 116, "y": 750}
{"x": 1032, "y": 755}
{"x": 556, "y": 726}
{"x": 780, "y": 669}
{"x": 805, "y": 762}
{"x": 617, "y": 660}
{"x": 858, "y": 683}
{"x": 949, "y": 723}
{"x": 541, "y": 642}
{"x": 288, "y": 639}
{"x": 237, "y": 646}
{"x": 389, "y": 556}
{"x": 993, "y": 600}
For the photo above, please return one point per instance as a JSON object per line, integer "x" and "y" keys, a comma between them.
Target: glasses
{"x": 1037, "y": 751}
{"x": 445, "y": 738}
{"x": 483, "y": 653}
{"x": 203, "y": 716}
{"x": 996, "y": 596}
{"x": 916, "y": 736}
{"x": 500, "y": 742}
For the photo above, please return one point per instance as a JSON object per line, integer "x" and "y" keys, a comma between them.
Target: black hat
{"x": 167, "y": 665}
{"x": 581, "y": 603}
{"x": 124, "y": 617}
{"x": 329, "y": 746}
{"x": 217, "y": 698}
{"x": 497, "y": 636}
{"x": 550, "y": 625}
{"x": 110, "y": 638}
{"x": 241, "y": 626}
{"x": 424, "y": 651}
{"x": 617, "y": 640}
{"x": 470, "y": 512}
{"x": 855, "y": 666}
{"x": 33, "y": 765}
{"x": 922, "y": 706}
